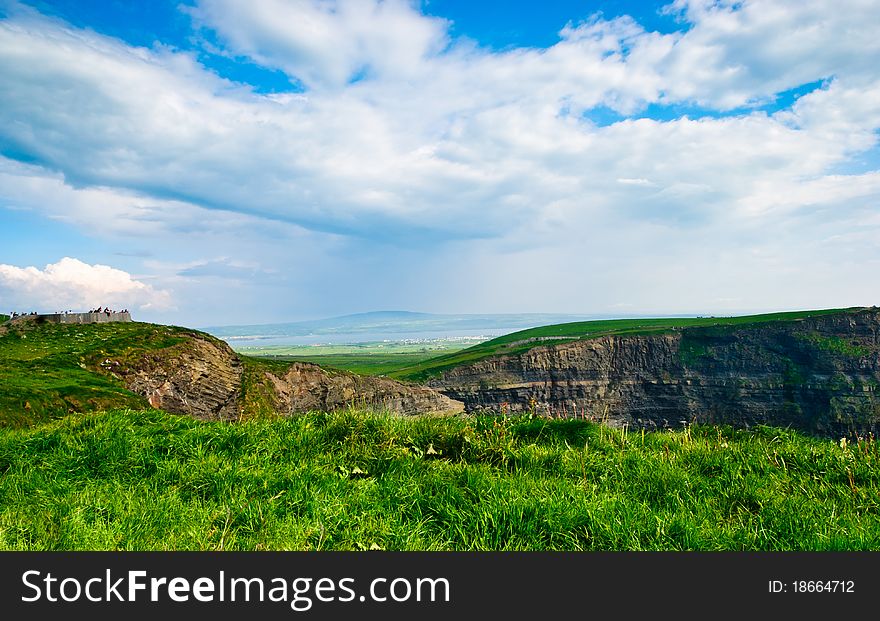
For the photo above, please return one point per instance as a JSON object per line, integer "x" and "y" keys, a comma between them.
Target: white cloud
{"x": 736, "y": 53}
{"x": 642, "y": 182}
{"x": 115, "y": 212}
{"x": 472, "y": 143}
{"x": 71, "y": 284}
{"x": 327, "y": 44}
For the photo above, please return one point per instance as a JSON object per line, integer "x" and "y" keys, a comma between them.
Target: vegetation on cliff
{"x": 351, "y": 480}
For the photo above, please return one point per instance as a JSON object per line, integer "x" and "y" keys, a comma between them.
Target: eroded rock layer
{"x": 307, "y": 387}
{"x": 202, "y": 377}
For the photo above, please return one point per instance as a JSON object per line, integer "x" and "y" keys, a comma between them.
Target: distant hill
{"x": 396, "y": 322}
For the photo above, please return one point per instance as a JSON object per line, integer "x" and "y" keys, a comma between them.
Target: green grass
{"x": 365, "y": 364}
{"x": 4, "y": 318}
{"x": 369, "y": 358}
{"x": 432, "y": 346}
{"x": 518, "y": 342}
{"x": 139, "y": 480}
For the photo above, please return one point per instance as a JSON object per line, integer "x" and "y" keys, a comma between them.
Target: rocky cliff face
{"x": 202, "y": 377}
{"x": 308, "y": 387}
{"x": 820, "y": 375}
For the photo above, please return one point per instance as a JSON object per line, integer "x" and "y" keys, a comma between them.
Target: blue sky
{"x": 211, "y": 161}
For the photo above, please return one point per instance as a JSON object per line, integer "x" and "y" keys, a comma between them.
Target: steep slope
{"x": 50, "y": 370}
{"x": 819, "y": 373}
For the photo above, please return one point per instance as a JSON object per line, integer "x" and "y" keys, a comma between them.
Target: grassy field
{"x": 372, "y": 358}
{"x": 365, "y": 364}
{"x": 352, "y": 480}
{"x": 518, "y": 342}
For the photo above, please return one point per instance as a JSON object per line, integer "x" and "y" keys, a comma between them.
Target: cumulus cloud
{"x": 71, "y": 284}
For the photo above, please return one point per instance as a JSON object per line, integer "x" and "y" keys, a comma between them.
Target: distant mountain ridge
{"x": 398, "y": 321}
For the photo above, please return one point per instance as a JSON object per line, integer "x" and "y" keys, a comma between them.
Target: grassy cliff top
{"x": 49, "y": 370}
{"x": 4, "y": 318}
{"x": 518, "y": 342}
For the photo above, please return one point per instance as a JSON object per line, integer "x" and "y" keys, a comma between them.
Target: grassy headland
{"x": 51, "y": 370}
{"x": 351, "y": 480}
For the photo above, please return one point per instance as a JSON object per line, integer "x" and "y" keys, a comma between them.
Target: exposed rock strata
{"x": 308, "y": 387}
{"x": 820, "y": 375}
{"x": 202, "y": 377}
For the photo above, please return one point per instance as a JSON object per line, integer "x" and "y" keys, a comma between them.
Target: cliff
{"x": 48, "y": 370}
{"x": 198, "y": 376}
{"x": 306, "y": 387}
{"x": 205, "y": 378}
{"x": 818, "y": 374}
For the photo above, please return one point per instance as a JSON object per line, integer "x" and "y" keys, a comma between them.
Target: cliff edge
{"x": 203, "y": 377}
{"x": 50, "y": 369}
{"x": 819, "y": 374}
